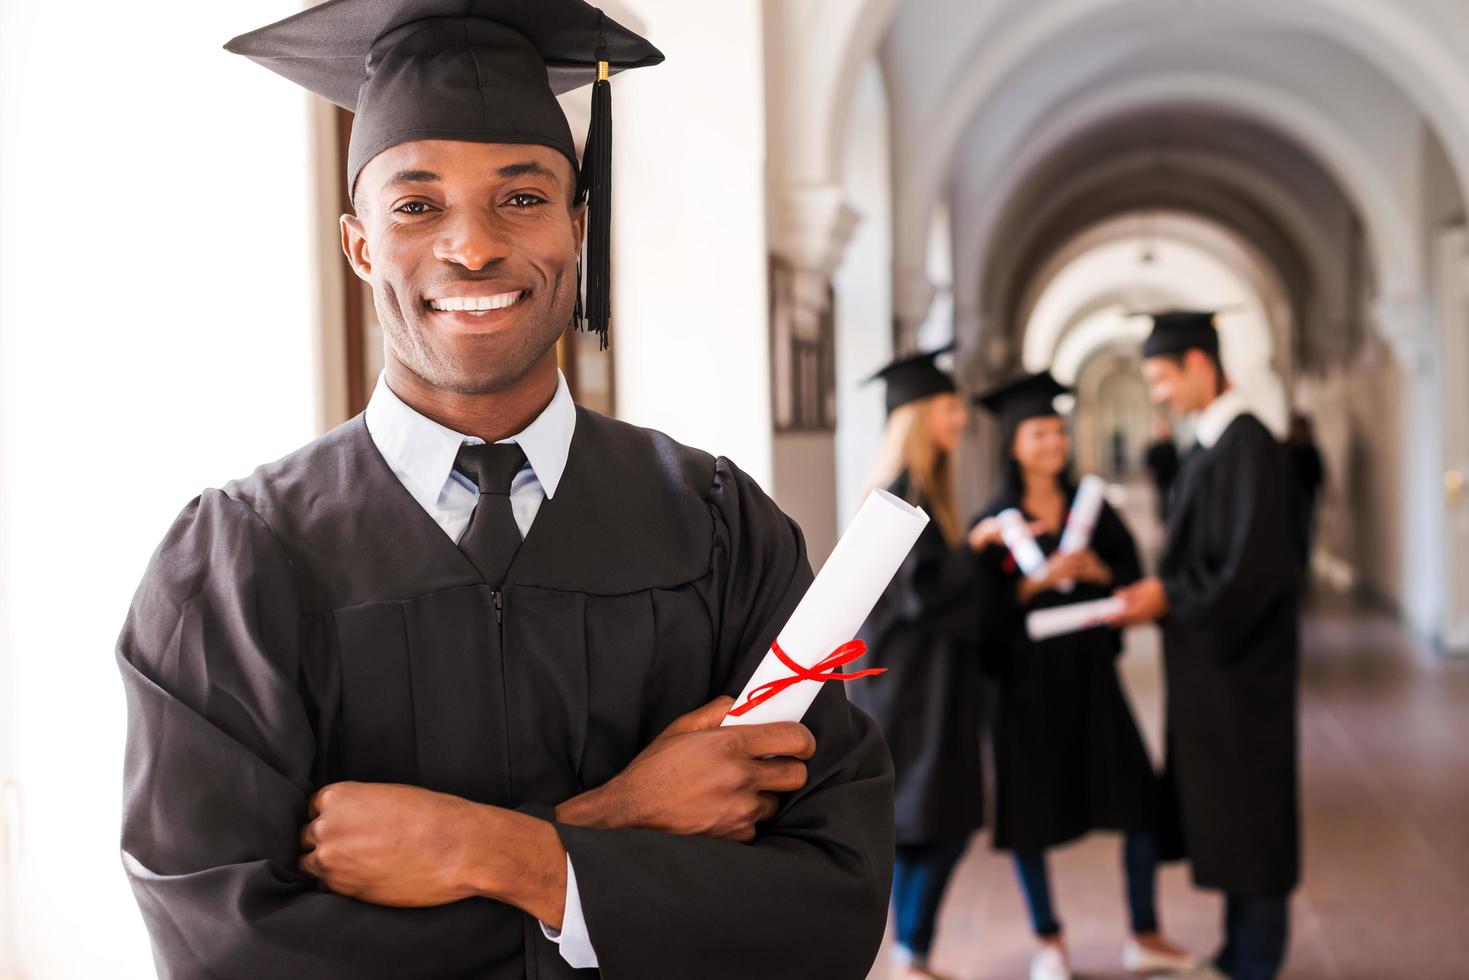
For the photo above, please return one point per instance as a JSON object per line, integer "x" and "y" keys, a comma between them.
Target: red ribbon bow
{"x": 824, "y": 671}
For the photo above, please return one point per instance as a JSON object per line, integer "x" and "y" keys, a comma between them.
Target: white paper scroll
{"x": 837, "y": 603}
{"x": 1083, "y": 519}
{"x": 1061, "y": 620}
{"x": 1027, "y": 554}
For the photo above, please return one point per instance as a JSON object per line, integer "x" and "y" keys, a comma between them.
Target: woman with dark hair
{"x": 923, "y": 631}
{"x": 1068, "y": 755}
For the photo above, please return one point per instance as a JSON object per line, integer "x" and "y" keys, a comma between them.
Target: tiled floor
{"x": 1385, "y": 750}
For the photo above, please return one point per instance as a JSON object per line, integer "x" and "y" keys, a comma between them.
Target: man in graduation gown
{"x": 1225, "y": 595}
{"x": 438, "y": 695}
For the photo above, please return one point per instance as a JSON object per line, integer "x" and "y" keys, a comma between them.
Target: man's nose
{"x": 471, "y": 238}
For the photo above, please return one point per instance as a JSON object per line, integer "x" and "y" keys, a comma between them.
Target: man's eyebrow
{"x": 529, "y": 167}
{"x": 414, "y": 177}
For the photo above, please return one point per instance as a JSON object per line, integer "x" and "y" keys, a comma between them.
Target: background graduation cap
{"x": 914, "y": 377}
{"x": 1026, "y": 397}
{"x": 1177, "y": 331}
{"x": 485, "y": 71}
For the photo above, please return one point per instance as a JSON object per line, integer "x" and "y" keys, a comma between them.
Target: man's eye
{"x": 525, "y": 200}
{"x": 412, "y": 207}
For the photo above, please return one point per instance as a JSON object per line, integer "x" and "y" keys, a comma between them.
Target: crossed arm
{"x": 406, "y": 846}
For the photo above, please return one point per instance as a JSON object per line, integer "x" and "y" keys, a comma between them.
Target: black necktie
{"x": 493, "y": 537}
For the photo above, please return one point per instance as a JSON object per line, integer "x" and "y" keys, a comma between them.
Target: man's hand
{"x": 406, "y": 846}
{"x": 1145, "y": 602}
{"x": 698, "y": 778}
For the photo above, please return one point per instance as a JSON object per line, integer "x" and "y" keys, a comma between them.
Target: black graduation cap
{"x": 914, "y": 377}
{"x": 484, "y": 71}
{"x": 1026, "y": 397}
{"x": 1177, "y": 331}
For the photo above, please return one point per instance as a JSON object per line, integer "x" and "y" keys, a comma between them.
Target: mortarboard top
{"x": 1026, "y": 397}
{"x": 915, "y": 377}
{"x": 483, "y": 71}
{"x": 1178, "y": 331}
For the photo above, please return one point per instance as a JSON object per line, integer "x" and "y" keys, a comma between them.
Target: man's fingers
{"x": 768, "y": 806}
{"x": 703, "y": 718}
{"x": 308, "y": 836}
{"x": 320, "y": 798}
{"x": 781, "y": 775}
{"x": 780, "y": 738}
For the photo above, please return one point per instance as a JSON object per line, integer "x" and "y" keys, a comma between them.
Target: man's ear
{"x": 579, "y": 223}
{"x": 1201, "y": 366}
{"x": 1197, "y": 362}
{"x": 354, "y": 246}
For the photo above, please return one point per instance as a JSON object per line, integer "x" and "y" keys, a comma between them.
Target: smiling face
{"x": 1042, "y": 446}
{"x": 946, "y": 418}
{"x": 1185, "y": 384}
{"x": 471, "y": 250}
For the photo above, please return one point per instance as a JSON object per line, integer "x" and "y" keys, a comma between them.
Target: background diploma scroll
{"x": 836, "y": 605}
{"x": 1060, "y": 620}
{"x": 1083, "y": 518}
{"x": 1027, "y": 554}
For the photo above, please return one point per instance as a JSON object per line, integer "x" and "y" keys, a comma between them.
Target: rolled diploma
{"x": 1083, "y": 518}
{"x": 1060, "y": 620}
{"x": 837, "y": 603}
{"x": 1021, "y": 542}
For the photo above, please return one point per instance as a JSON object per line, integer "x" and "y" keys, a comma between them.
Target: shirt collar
{"x": 421, "y": 451}
{"x": 1216, "y": 417}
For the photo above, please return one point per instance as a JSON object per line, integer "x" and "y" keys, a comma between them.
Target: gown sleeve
{"x": 217, "y": 777}
{"x": 808, "y": 898}
{"x": 1228, "y": 596}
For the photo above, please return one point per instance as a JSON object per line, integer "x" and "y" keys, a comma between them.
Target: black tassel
{"x": 594, "y": 185}
{"x": 578, "y": 318}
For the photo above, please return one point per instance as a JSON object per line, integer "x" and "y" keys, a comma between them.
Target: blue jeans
{"x": 1255, "y": 935}
{"x": 1139, "y": 860}
{"x": 920, "y": 874}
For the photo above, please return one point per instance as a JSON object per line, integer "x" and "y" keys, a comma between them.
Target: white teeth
{"x": 475, "y": 304}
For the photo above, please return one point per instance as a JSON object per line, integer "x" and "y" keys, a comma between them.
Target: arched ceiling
{"x": 989, "y": 93}
{"x": 1078, "y": 301}
{"x": 1226, "y": 171}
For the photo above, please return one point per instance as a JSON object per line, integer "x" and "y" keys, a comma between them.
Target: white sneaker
{"x": 1050, "y": 964}
{"x": 1137, "y": 958}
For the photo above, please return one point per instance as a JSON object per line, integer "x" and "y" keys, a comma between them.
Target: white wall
{"x": 156, "y": 337}
{"x": 689, "y": 330}
{"x": 864, "y": 301}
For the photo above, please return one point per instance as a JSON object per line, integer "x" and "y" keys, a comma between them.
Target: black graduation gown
{"x": 1068, "y": 754}
{"x": 928, "y": 704}
{"x": 312, "y": 623}
{"x": 1231, "y": 652}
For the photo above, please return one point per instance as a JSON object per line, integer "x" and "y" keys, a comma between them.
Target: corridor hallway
{"x": 1385, "y": 894}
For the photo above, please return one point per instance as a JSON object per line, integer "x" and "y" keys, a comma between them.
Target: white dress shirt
{"x": 421, "y": 454}
{"x": 1210, "y": 424}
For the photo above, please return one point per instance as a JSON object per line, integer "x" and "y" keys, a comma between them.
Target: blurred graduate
{"x": 1069, "y": 758}
{"x": 1226, "y": 597}
{"x": 438, "y": 694}
{"x": 923, "y": 631}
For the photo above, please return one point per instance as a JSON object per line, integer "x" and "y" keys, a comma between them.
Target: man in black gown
{"x": 1225, "y": 595}
{"x": 438, "y": 694}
